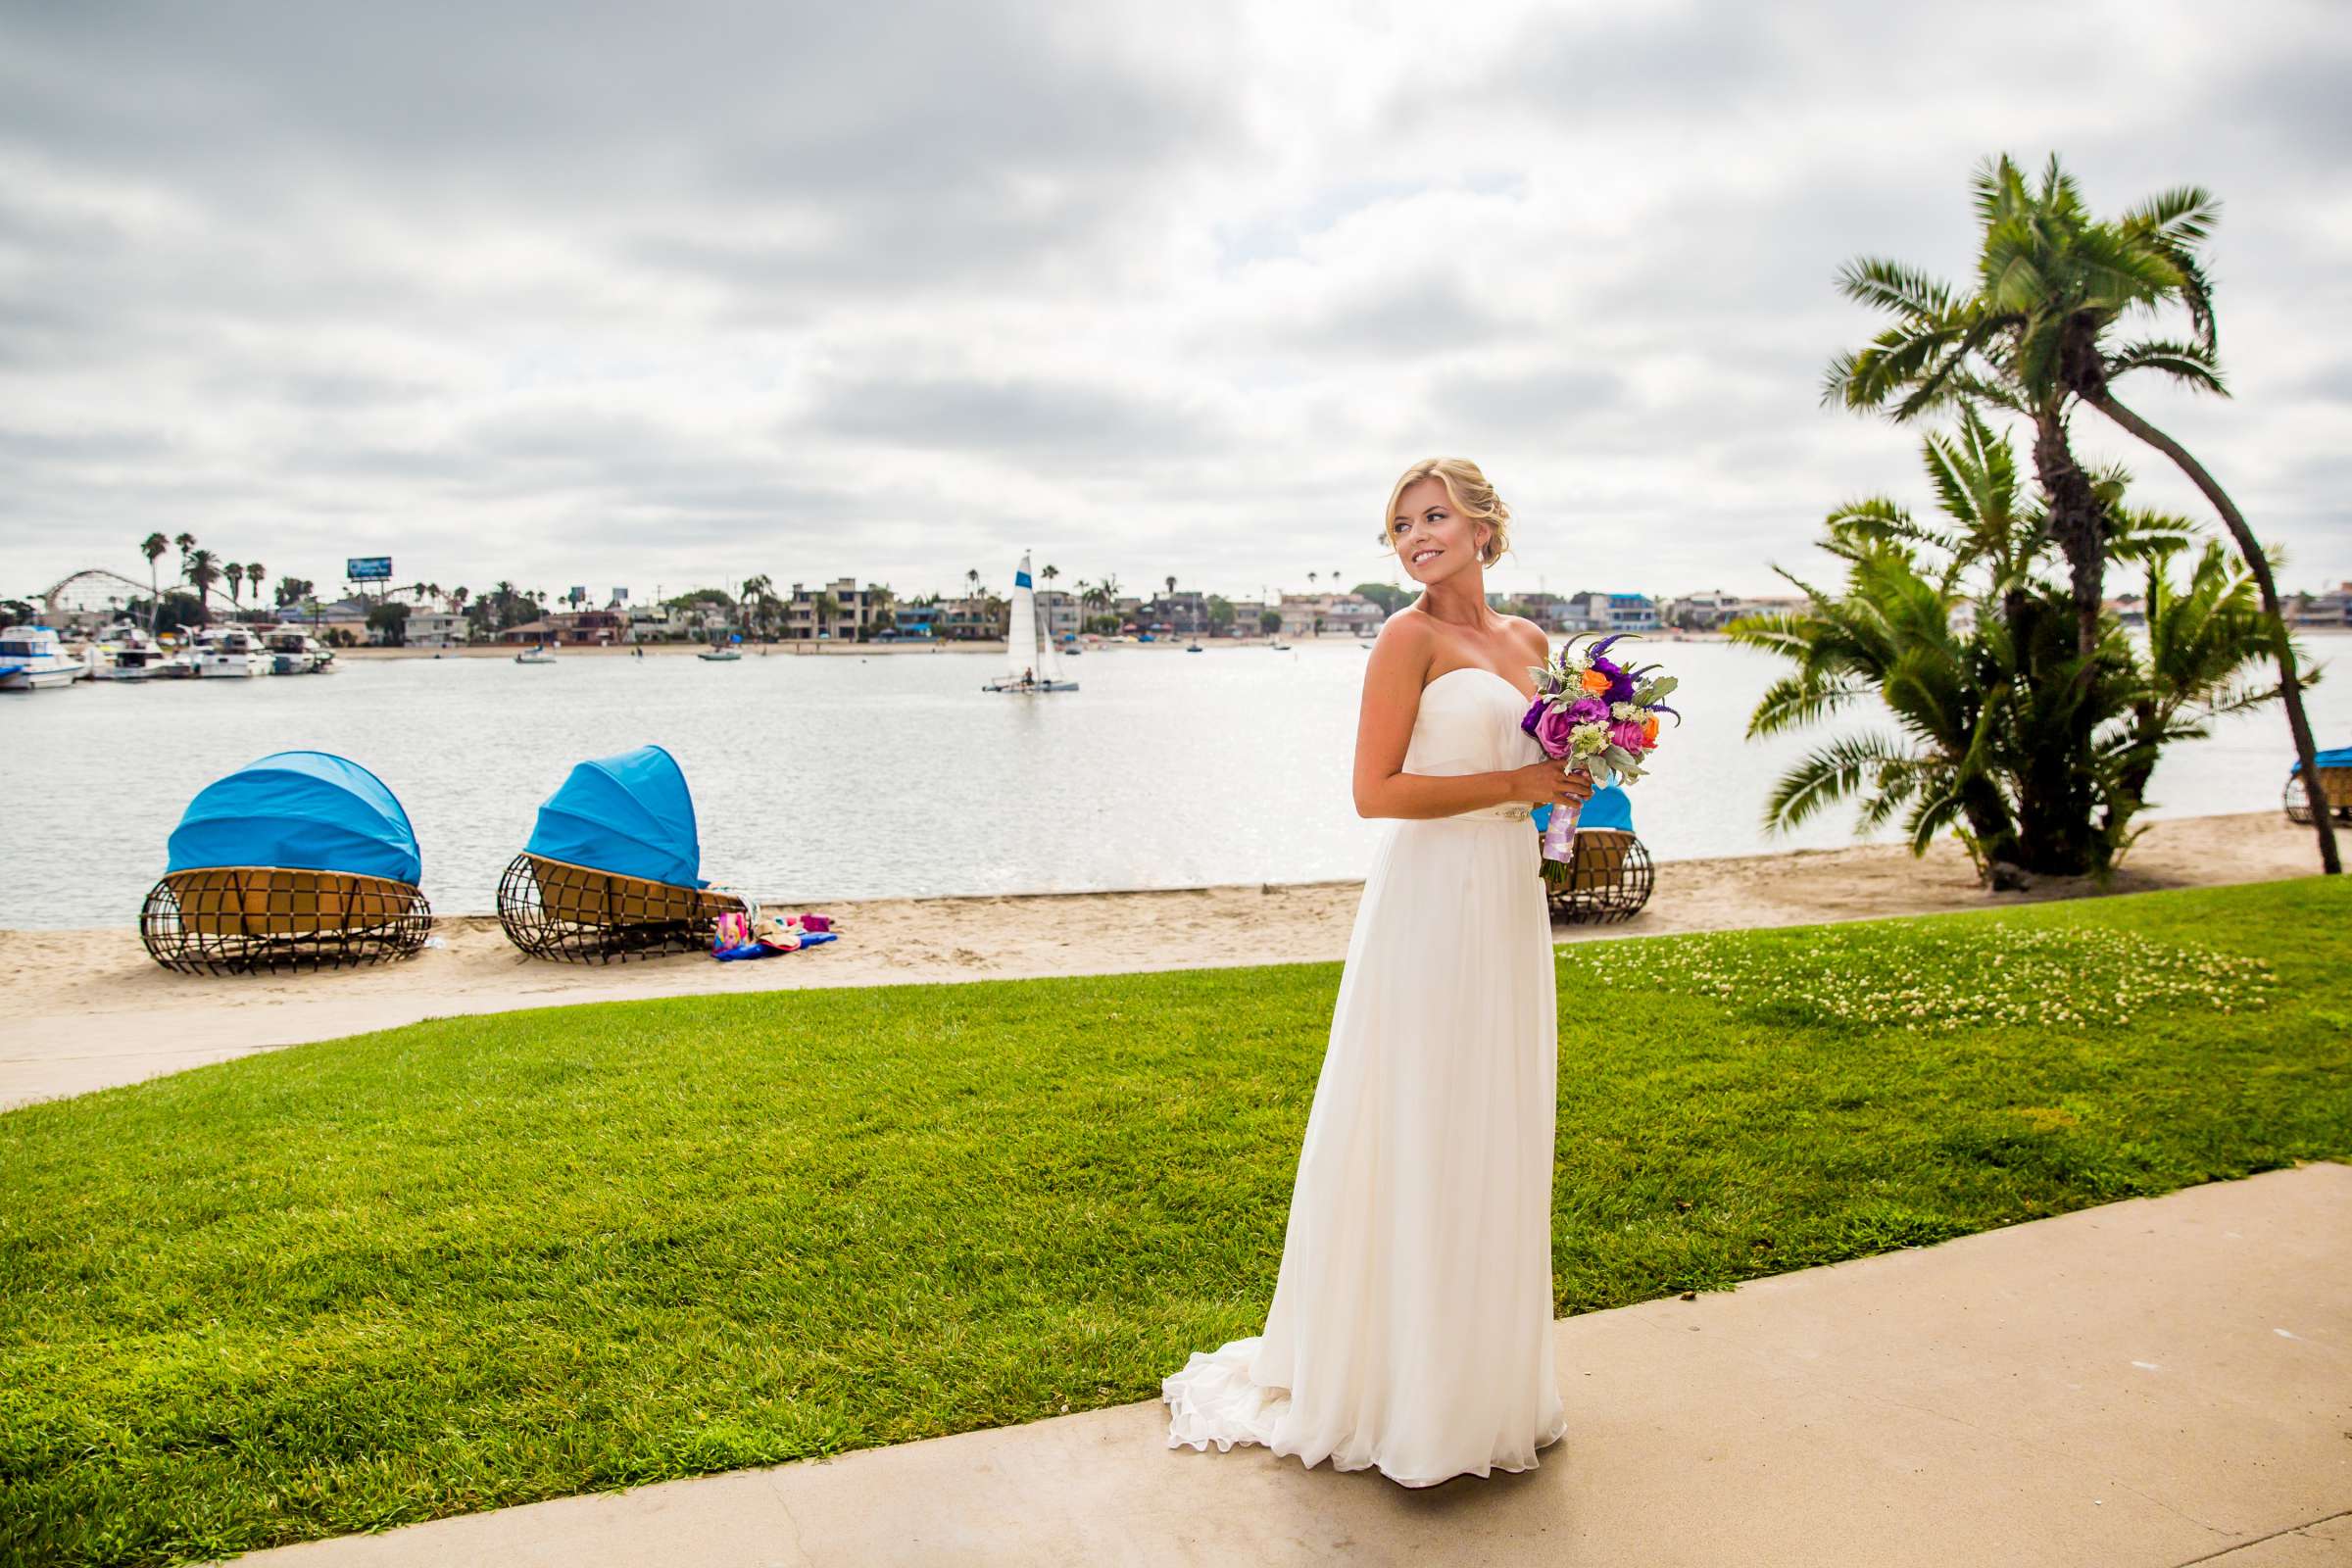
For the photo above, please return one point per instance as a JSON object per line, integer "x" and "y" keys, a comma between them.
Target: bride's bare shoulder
{"x": 1407, "y": 622}
{"x": 1402, "y": 653}
{"x": 1406, "y": 635}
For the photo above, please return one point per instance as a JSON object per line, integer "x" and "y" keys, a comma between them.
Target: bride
{"x": 1411, "y": 1324}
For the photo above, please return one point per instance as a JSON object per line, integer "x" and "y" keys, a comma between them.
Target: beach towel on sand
{"x": 741, "y": 936}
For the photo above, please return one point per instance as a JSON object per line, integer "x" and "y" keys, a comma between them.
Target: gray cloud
{"x": 556, "y": 292}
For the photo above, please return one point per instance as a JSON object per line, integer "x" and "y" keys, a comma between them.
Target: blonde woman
{"x": 1410, "y": 1330}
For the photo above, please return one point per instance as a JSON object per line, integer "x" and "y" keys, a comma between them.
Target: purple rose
{"x": 1588, "y": 711}
{"x": 1549, "y": 726}
{"x": 1629, "y": 735}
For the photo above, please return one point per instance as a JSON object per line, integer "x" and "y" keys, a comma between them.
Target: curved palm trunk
{"x": 2289, "y": 687}
{"x": 2073, "y": 508}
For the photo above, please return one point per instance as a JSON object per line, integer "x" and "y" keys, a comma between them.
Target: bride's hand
{"x": 1551, "y": 782}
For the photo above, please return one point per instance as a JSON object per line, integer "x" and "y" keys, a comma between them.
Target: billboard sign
{"x": 368, "y": 569}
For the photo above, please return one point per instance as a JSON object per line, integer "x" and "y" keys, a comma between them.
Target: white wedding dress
{"x": 1411, "y": 1328}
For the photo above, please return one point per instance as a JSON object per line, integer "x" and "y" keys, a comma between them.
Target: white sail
{"x": 1020, "y": 637}
{"x": 1049, "y": 657}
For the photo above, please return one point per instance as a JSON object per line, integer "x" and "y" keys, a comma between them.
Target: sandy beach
{"x": 87, "y": 1010}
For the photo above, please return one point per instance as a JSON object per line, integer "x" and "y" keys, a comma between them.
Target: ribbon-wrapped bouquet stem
{"x": 1594, "y": 713}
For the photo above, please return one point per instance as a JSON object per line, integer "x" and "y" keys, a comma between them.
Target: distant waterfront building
{"x": 1581, "y": 611}
{"x": 436, "y": 628}
{"x": 1060, "y": 612}
{"x": 1246, "y": 614}
{"x": 574, "y": 628}
{"x": 1184, "y": 613}
{"x": 1350, "y": 613}
{"x": 2331, "y": 608}
{"x": 1702, "y": 612}
{"x": 1633, "y": 613}
{"x": 912, "y": 623}
{"x": 975, "y": 619}
{"x": 853, "y": 611}
{"x": 655, "y": 624}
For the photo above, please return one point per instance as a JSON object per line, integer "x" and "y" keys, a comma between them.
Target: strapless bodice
{"x": 1469, "y": 723}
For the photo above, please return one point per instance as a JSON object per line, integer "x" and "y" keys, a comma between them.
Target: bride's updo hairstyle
{"x": 1473, "y": 497}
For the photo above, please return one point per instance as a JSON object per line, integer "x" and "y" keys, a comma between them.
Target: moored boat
{"x": 230, "y": 653}
{"x": 294, "y": 652}
{"x": 124, "y": 651}
{"x": 32, "y": 658}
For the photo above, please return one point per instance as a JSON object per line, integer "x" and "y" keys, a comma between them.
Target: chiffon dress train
{"x": 1411, "y": 1326}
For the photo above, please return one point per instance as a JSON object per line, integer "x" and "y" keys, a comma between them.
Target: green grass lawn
{"x": 481, "y": 1262}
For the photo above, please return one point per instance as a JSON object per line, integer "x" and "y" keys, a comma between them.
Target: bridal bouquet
{"x": 1592, "y": 712}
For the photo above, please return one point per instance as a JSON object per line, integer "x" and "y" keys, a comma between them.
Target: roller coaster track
{"x": 95, "y": 588}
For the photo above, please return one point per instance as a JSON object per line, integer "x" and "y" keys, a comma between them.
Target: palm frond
{"x": 1796, "y": 700}
{"x": 2187, "y": 363}
{"x": 2184, "y": 215}
{"x": 1830, "y": 774}
{"x": 1892, "y": 286}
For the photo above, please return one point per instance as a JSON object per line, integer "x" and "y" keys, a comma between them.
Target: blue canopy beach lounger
{"x": 300, "y": 860}
{"x": 2334, "y": 786}
{"x": 1611, "y": 875}
{"x": 613, "y": 867}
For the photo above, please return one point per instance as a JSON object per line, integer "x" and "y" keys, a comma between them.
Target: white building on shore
{"x": 436, "y": 628}
{"x": 1352, "y": 614}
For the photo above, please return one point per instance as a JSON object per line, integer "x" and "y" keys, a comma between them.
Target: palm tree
{"x": 254, "y": 576}
{"x": 1050, "y": 572}
{"x": 880, "y": 601}
{"x": 235, "y": 573}
{"x": 1171, "y": 587}
{"x": 153, "y": 547}
{"x": 1311, "y": 579}
{"x": 828, "y": 611}
{"x": 2052, "y": 281}
{"x": 972, "y": 582}
{"x": 1993, "y": 742}
{"x": 203, "y": 570}
{"x": 755, "y": 595}
{"x": 1946, "y": 347}
{"x": 2158, "y": 242}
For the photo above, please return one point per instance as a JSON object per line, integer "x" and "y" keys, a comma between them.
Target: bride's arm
{"x": 1384, "y": 730}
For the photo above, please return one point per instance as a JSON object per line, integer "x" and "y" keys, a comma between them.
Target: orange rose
{"x": 1596, "y": 682}
{"x": 1649, "y": 727}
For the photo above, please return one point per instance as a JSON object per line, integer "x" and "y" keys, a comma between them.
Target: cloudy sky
{"x": 643, "y": 295}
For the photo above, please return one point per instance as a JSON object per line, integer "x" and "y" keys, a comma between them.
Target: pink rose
{"x": 1549, "y": 726}
{"x": 1629, "y": 734}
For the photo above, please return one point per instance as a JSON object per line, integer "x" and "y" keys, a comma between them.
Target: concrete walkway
{"x": 2161, "y": 1382}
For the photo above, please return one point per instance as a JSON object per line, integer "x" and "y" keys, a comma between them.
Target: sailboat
{"x": 1031, "y": 663}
